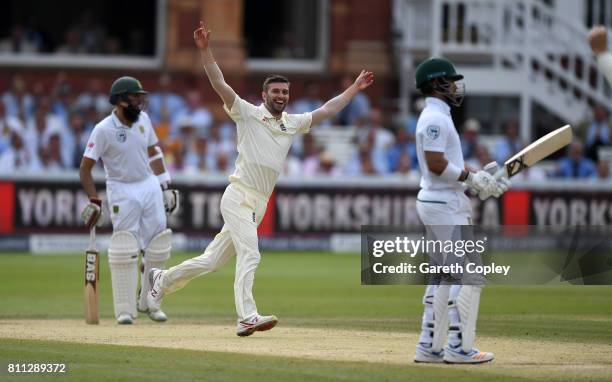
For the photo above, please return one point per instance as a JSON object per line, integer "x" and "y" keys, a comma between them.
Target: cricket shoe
{"x": 124, "y": 319}
{"x": 157, "y": 316}
{"x": 256, "y": 324}
{"x": 155, "y": 295}
{"x": 424, "y": 354}
{"x": 458, "y": 356}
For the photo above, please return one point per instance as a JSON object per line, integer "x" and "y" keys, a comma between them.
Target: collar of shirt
{"x": 438, "y": 104}
{"x": 117, "y": 122}
{"x": 269, "y": 115}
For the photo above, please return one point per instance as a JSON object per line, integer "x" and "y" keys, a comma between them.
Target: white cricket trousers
{"x": 444, "y": 207}
{"x": 137, "y": 207}
{"x": 242, "y": 211}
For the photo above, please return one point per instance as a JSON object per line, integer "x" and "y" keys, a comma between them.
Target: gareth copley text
{"x": 427, "y": 269}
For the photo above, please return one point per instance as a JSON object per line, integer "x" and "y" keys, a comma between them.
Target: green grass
{"x": 303, "y": 289}
{"x": 91, "y": 363}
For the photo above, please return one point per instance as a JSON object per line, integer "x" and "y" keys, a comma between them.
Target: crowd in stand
{"x": 85, "y": 35}
{"x": 46, "y": 131}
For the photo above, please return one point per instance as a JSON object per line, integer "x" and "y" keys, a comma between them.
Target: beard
{"x": 275, "y": 107}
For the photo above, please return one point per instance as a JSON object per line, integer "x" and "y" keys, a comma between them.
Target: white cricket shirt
{"x": 263, "y": 143}
{"x": 123, "y": 149}
{"x": 436, "y": 131}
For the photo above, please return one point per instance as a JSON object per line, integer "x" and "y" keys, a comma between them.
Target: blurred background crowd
{"x": 47, "y": 130}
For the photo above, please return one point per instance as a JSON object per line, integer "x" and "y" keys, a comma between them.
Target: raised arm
{"x": 201, "y": 37}
{"x": 334, "y": 105}
{"x": 598, "y": 40}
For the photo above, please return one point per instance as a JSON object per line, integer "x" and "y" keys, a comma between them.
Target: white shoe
{"x": 473, "y": 356}
{"x": 124, "y": 319}
{"x": 155, "y": 295}
{"x": 256, "y": 324}
{"x": 424, "y": 354}
{"x": 157, "y": 316}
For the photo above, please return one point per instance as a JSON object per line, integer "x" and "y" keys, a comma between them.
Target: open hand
{"x": 201, "y": 36}
{"x": 598, "y": 39}
{"x": 364, "y": 80}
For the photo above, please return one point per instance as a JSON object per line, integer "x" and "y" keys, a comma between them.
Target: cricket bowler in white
{"x": 443, "y": 205}
{"x": 265, "y": 134}
{"x": 598, "y": 41}
{"x": 138, "y": 196}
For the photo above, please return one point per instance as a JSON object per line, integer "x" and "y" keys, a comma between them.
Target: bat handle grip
{"x": 92, "y": 236}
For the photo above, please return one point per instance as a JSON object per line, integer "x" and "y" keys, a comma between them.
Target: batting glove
{"x": 171, "y": 200}
{"x": 92, "y": 213}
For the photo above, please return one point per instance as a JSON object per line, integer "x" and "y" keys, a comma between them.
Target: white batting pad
{"x": 123, "y": 263}
{"x": 440, "y": 307}
{"x": 467, "y": 303}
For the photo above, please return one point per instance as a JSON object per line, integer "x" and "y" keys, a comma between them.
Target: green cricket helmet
{"x": 125, "y": 85}
{"x": 436, "y": 67}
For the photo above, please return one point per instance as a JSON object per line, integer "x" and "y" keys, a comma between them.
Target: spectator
{"x": 576, "y": 166}
{"x": 406, "y": 168}
{"x": 402, "y": 147}
{"x": 40, "y": 126}
{"x": 597, "y": 133}
{"x": 481, "y": 158}
{"x": 16, "y": 157}
{"x": 293, "y": 165}
{"x": 6, "y": 122}
{"x": 310, "y": 156}
{"x": 411, "y": 123}
{"x": 75, "y": 140}
{"x": 17, "y": 101}
{"x": 62, "y": 97}
{"x": 21, "y": 40}
{"x": 164, "y": 104}
{"x": 196, "y": 112}
{"x": 217, "y": 145}
{"x": 51, "y": 155}
{"x": 72, "y": 43}
{"x": 311, "y": 101}
{"x": 510, "y": 144}
{"x": 359, "y": 107}
{"x": 382, "y": 138}
{"x": 327, "y": 165}
{"x": 224, "y": 164}
{"x": 362, "y": 163}
{"x": 469, "y": 138}
{"x": 94, "y": 97}
{"x": 197, "y": 157}
{"x": 603, "y": 171}
{"x": 112, "y": 46}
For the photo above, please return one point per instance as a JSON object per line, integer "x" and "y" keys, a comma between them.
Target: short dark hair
{"x": 274, "y": 78}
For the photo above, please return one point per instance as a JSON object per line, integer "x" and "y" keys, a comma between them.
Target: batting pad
{"x": 123, "y": 263}
{"x": 466, "y": 305}
{"x": 440, "y": 308}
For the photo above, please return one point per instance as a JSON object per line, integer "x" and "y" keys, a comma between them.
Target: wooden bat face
{"x": 90, "y": 291}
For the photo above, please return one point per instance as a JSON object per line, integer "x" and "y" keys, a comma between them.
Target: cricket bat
{"x": 92, "y": 273}
{"x": 536, "y": 151}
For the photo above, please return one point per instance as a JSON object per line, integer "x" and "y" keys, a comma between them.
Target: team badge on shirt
{"x": 433, "y": 132}
{"x": 141, "y": 127}
{"x": 121, "y": 136}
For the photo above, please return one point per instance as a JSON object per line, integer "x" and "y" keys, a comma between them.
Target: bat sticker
{"x": 515, "y": 166}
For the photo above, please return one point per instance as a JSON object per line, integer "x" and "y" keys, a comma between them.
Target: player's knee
{"x": 122, "y": 247}
{"x": 160, "y": 246}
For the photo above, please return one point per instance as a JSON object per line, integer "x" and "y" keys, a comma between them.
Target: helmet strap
{"x": 441, "y": 87}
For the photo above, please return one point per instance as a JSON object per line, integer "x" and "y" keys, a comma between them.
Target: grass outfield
{"x": 309, "y": 291}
